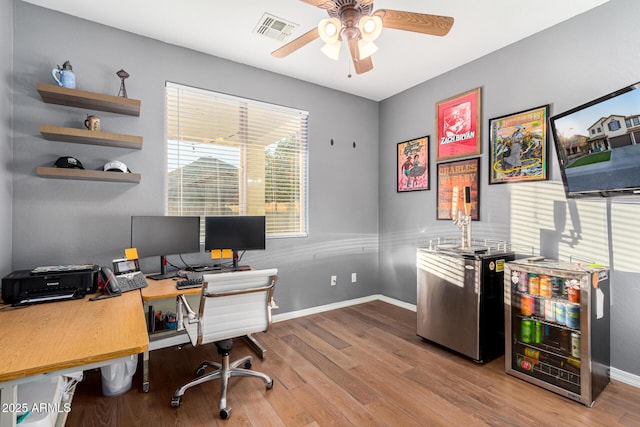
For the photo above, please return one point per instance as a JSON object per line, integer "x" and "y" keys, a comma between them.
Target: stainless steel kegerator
{"x": 460, "y": 297}
{"x": 557, "y": 326}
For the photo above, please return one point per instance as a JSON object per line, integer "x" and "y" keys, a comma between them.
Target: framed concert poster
{"x": 453, "y": 177}
{"x": 413, "y": 165}
{"x": 518, "y": 146}
{"x": 458, "y": 126}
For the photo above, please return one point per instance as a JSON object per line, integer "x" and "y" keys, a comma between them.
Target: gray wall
{"x": 59, "y": 221}
{"x": 565, "y": 66}
{"x": 63, "y": 221}
{"x": 6, "y": 140}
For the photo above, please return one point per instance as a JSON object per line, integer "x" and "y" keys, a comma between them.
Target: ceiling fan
{"x": 355, "y": 22}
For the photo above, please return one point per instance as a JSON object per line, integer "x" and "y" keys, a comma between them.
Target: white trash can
{"x": 116, "y": 377}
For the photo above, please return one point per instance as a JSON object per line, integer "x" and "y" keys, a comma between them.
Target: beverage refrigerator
{"x": 557, "y": 331}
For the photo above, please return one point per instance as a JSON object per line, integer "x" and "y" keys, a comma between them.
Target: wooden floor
{"x": 356, "y": 366}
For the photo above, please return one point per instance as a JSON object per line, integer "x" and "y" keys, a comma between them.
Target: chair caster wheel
{"x": 269, "y": 385}
{"x": 247, "y": 364}
{"x": 225, "y": 413}
{"x": 200, "y": 371}
{"x": 175, "y": 401}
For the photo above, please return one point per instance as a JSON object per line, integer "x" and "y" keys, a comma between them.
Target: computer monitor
{"x": 165, "y": 235}
{"x": 237, "y": 233}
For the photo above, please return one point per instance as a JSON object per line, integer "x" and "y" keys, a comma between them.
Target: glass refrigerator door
{"x": 546, "y": 336}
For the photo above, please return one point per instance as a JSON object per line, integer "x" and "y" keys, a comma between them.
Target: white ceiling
{"x": 405, "y": 59}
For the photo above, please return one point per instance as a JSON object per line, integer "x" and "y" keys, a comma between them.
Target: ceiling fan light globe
{"x": 366, "y": 48}
{"x": 370, "y": 27}
{"x": 329, "y": 30}
{"x": 332, "y": 50}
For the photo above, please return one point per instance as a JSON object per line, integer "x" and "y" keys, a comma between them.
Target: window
{"x": 614, "y": 125}
{"x": 234, "y": 156}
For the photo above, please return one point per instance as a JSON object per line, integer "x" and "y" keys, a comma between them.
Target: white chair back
{"x": 233, "y": 305}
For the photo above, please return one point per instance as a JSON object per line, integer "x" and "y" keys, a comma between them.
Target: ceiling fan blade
{"x": 296, "y": 44}
{"x": 360, "y": 65}
{"x": 434, "y": 25}
{"x": 322, "y": 4}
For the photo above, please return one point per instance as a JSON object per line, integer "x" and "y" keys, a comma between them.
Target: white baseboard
{"x": 341, "y": 304}
{"x": 625, "y": 377}
{"x": 616, "y": 374}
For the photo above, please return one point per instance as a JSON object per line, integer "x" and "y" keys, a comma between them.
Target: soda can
{"x": 539, "y": 307}
{"x": 550, "y": 310}
{"x": 534, "y": 284}
{"x": 525, "y": 364}
{"x": 545, "y": 286}
{"x": 523, "y": 282}
{"x": 573, "y": 315}
{"x": 557, "y": 286}
{"x": 561, "y": 313}
{"x": 537, "y": 335}
{"x": 526, "y": 330}
{"x": 575, "y": 345}
{"x": 527, "y": 305}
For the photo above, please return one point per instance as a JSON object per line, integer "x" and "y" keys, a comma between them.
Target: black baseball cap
{"x": 68, "y": 162}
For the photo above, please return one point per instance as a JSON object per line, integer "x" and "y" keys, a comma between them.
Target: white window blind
{"x": 234, "y": 156}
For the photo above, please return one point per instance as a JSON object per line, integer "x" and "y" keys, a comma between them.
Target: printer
{"x": 47, "y": 284}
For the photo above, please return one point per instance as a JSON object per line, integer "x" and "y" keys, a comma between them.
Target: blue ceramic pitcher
{"x": 64, "y": 75}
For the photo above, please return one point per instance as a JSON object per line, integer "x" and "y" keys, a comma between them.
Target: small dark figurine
{"x": 123, "y": 90}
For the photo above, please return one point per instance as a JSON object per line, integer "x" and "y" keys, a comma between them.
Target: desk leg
{"x": 256, "y": 346}
{"x": 9, "y": 399}
{"x": 145, "y": 371}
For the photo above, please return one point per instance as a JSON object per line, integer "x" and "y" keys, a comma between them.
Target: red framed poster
{"x": 458, "y": 126}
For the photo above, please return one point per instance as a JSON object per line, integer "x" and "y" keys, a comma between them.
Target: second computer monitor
{"x": 165, "y": 235}
{"x": 238, "y": 233}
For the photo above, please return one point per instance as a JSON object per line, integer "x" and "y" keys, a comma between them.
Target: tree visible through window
{"x": 233, "y": 156}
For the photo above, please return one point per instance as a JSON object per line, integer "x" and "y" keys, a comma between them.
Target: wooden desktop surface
{"x": 43, "y": 338}
{"x": 165, "y": 288}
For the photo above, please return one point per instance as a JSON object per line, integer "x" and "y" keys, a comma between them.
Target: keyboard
{"x": 131, "y": 281}
{"x": 189, "y": 283}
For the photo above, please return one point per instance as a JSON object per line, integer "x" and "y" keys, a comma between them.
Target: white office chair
{"x": 232, "y": 305}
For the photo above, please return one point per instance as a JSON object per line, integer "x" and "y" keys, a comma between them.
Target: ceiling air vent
{"x": 274, "y": 27}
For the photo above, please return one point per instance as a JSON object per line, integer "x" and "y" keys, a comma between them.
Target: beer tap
{"x": 463, "y": 221}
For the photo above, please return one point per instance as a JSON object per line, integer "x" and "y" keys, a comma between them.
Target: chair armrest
{"x": 213, "y": 293}
{"x": 182, "y": 305}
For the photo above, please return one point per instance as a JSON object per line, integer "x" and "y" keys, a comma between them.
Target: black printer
{"x": 47, "y": 284}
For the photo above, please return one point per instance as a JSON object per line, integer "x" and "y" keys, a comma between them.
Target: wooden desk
{"x": 165, "y": 288}
{"x": 51, "y": 338}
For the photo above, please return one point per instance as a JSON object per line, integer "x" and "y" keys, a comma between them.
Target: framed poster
{"x": 458, "y": 126}
{"x": 518, "y": 146}
{"x": 453, "y": 177}
{"x": 413, "y": 165}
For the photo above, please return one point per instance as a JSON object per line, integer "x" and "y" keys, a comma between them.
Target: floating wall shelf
{"x": 83, "y": 136}
{"x": 85, "y": 174}
{"x": 53, "y": 94}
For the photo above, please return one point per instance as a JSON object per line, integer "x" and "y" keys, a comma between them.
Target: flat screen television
{"x": 160, "y": 236}
{"x": 238, "y": 233}
{"x": 598, "y": 145}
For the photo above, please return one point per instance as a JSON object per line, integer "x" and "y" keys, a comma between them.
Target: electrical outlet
{"x": 354, "y": 277}
{"x": 334, "y": 280}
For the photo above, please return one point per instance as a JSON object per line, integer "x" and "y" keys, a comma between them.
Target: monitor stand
{"x": 237, "y": 267}
{"x": 163, "y": 271}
